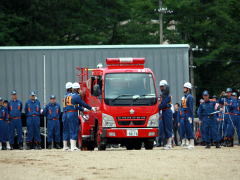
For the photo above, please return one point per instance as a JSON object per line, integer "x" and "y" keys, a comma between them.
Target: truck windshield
{"x": 129, "y": 89}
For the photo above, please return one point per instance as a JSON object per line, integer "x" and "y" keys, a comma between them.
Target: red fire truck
{"x": 126, "y": 96}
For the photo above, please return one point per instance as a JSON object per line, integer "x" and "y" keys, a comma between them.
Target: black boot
{"x": 218, "y": 145}
{"x": 49, "y": 145}
{"x": 58, "y": 145}
{"x": 225, "y": 142}
{"x": 208, "y": 146}
{"x": 239, "y": 142}
{"x": 20, "y": 146}
{"x": 231, "y": 142}
{"x": 28, "y": 145}
{"x": 11, "y": 147}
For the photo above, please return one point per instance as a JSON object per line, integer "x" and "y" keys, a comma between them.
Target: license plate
{"x": 132, "y": 132}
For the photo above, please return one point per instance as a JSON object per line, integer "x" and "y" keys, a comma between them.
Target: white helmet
{"x": 76, "y": 85}
{"x": 68, "y": 85}
{"x": 163, "y": 83}
{"x": 99, "y": 65}
{"x": 187, "y": 85}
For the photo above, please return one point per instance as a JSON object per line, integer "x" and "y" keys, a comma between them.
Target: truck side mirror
{"x": 96, "y": 90}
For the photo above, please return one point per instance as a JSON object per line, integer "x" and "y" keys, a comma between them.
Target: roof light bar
{"x": 118, "y": 61}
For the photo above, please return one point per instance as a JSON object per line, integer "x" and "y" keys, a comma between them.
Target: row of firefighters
{"x": 219, "y": 119}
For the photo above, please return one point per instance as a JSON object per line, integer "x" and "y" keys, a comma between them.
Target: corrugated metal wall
{"x": 21, "y": 68}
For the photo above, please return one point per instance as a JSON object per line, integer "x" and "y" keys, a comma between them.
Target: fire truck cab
{"x": 125, "y": 94}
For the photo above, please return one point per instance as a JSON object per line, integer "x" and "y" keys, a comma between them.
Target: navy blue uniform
{"x": 236, "y": 116}
{"x": 176, "y": 122}
{"x": 4, "y": 125}
{"x": 228, "y": 118}
{"x": 52, "y": 112}
{"x": 167, "y": 114}
{"x": 187, "y": 114}
{"x": 73, "y": 104}
{"x": 209, "y": 122}
{"x": 15, "y": 116}
{"x": 32, "y": 110}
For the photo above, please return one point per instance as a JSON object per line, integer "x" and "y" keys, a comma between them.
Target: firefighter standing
{"x": 235, "y": 114}
{"x": 4, "y": 126}
{"x": 167, "y": 115}
{"x": 32, "y": 110}
{"x": 209, "y": 120}
{"x": 228, "y": 125}
{"x": 72, "y": 102}
{"x": 52, "y": 112}
{"x": 66, "y": 133}
{"x": 176, "y": 122}
{"x": 15, "y": 115}
{"x": 187, "y": 113}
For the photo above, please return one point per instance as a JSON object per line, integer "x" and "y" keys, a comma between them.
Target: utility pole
{"x": 192, "y": 77}
{"x": 160, "y": 22}
{"x": 192, "y": 67}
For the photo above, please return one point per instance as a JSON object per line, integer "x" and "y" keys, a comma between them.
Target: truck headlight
{"x": 108, "y": 121}
{"x": 153, "y": 120}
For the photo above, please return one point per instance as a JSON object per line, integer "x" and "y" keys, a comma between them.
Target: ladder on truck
{"x": 83, "y": 75}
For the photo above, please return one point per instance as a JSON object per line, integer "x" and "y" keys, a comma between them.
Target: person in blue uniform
{"x": 176, "y": 122}
{"x": 160, "y": 138}
{"x": 15, "y": 116}
{"x": 238, "y": 119}
{"x": 203, "y": 142}
{"x": 208, "y": 119}
{"x": 75, "y": 103}
{"x": 182, "y": 130}
{"x": 167, "y": 115}
{"x": 4, "y": 126}
{"x": 32, "y": 110}
{"x": 228, "y": 103}
{"x": 52, "y": 111}
{"x": 66, "y": 131}
{"x": 235, "y": 114}
{"x": 187, "y": 113}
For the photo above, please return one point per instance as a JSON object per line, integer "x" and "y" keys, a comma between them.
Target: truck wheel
{"x": 101, "y": 144}
{"x": 102, "y": 147}
{"x": 138, "y": 145}
{"x": 90, "y": 146}
{"x": 129, "y": 146}
{"x": 148, "y": 144}
{"x": 80, "y": 141}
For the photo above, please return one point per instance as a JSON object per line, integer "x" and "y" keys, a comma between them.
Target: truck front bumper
{"x": 130, "y": 132}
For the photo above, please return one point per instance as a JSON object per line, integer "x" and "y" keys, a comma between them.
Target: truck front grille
{"x": 131, "y": 121}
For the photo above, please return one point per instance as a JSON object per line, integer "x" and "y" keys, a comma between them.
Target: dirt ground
{"x": 121, "y": 164}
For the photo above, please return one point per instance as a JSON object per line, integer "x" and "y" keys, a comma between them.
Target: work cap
{"x": 13, "y": 92}
{"x": 229, "y": 90}
{"x": 205, "y": 93}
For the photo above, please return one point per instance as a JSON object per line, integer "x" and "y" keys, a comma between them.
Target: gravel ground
{"x": 121, "y": 164}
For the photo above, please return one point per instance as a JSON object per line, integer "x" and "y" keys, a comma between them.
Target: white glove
{"x": 86, "y": 117}
{"x": 41, "y": 111}
{"x": 85, "y": 110}
{"x": 190, "y": 120}
{"x": 94, "y": 109}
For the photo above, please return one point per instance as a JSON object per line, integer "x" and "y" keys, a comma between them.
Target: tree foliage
{"x": 213, "y": 25}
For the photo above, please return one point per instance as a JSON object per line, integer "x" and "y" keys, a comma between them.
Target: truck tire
{"x": 90, "y": 146}
{"x": 102, "y": 147}
{"x": 129, "y": 146}
{"x": 101, "y": 143}
{"x": 148, "y": 144}
{"x": 138, "y": 145}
